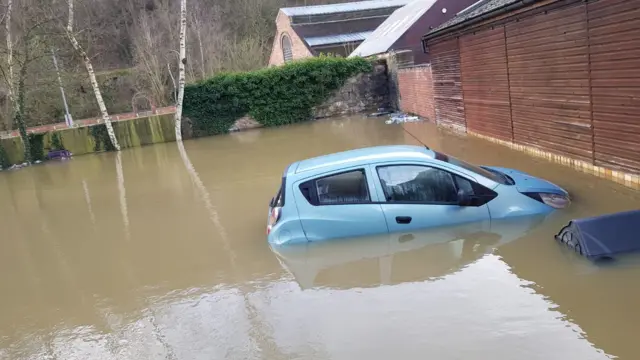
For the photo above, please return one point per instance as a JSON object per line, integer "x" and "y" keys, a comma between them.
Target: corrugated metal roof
{"x": 393, "y": 28}
{"x": 337, "y": 27}
{"x": 337, "y": 39}
{"x": 344, "y": 7}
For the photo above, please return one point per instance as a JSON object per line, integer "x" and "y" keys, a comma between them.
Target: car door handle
{"x": 403, "y": 219}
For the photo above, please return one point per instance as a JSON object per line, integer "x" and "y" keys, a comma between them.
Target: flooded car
{"x": 431, "y": 253}
{"x": 389, "y": 189}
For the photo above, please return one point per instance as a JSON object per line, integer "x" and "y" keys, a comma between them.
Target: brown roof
{"x": 476, "y": 11}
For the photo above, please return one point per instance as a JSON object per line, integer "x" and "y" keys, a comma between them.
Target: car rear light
{"x": 554, "y": 200}
{"x": 274, "y": 216}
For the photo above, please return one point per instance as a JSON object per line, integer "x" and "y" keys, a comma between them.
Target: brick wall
{"x": 299, "y": 49}
{"x": 416, "y": 91}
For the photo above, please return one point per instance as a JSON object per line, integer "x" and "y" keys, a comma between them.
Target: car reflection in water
{"x": 401, "y": 257}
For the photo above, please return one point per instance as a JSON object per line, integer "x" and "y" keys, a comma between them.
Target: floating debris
{"x": 18, "y": 166}
{"x": 381, "y": 112}
{"x": 399, "y": 118}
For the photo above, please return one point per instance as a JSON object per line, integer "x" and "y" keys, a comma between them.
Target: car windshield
{"x": 493, "y": 175}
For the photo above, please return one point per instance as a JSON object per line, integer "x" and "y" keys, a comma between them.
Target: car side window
{"x": 464, "y": 184}
{"x": 480, "y": 194}
{"x": 344, "y": 188}
{"x": 419, "y": 184}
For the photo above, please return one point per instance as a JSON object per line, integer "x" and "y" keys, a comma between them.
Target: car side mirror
{"x": 464, "y": 198}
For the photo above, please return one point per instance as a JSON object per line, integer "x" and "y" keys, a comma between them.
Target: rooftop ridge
{"x": 342, "y": 7}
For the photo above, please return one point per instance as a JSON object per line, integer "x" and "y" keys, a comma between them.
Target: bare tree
{"x": 214, "y": 41}
{"x": 151, "y": 55}
{"x": 18, "y": 112}
{"x": 92, "y": 78}
{"x": 181, "y": 68}
{"x": 28, "y": 39}
{"x": 9, "y": 51}
{"x": 197, "y": 28}
{"x": 130, "y": 44}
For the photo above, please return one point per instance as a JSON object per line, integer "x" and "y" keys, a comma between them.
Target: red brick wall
{"x": 299, "y": 49}
{"x": 416, "y": 91}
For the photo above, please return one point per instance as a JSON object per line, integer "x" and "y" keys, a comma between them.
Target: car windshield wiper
{"x": 508, "y": 180}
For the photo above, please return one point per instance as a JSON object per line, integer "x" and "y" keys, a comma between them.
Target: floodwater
{"x": 151, "y": 254}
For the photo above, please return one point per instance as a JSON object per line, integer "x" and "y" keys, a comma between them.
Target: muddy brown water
{"x": 147, "y": 254}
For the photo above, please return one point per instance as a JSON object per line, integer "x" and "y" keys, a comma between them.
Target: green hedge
{"x": 273, "y": 96}
{"x": 4, "y": 159}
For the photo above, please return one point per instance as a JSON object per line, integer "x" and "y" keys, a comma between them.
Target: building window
{"x": 287, "y": 53}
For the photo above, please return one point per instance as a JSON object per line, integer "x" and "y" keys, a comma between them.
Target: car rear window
{"x": 278, "y": 200}
{"x": 344, "y": 188}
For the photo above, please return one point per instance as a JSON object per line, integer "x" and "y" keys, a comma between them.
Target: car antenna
{"x": 413, "y": 136}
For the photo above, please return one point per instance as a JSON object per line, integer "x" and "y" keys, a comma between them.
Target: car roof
{"x": 361, "y": 156}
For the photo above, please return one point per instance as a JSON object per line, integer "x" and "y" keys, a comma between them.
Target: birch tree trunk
{"x": 9, "y": 51}
{"x": 181, "y": 68}
{"x": 92, "y": 78}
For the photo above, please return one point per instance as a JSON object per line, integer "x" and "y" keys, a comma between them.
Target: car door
{"x": 421, "y": 196}
{"x": 340, "y": 204}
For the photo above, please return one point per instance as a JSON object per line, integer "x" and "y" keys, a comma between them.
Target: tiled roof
{"x": 393, "y": 28}
{"x": 343, "y": 7}
{"x": 480, "y": 8}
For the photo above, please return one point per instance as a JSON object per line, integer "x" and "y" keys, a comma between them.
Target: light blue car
{"x": 430, "y": 253}
{"x": 390, "y": 189}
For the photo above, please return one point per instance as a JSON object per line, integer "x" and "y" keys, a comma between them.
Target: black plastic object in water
{"x": 602, "y": 237}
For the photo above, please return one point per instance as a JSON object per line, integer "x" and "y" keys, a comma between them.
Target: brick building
{"x": 416, "y": 91}
{"x": 400, "y": 36}
{"x": 338, "y": 29}
{"x": 403, "y": 30}
{"x": 556, "y": 78}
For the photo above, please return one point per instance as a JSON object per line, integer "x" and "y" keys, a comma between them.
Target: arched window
{"x": 287, "y": 54}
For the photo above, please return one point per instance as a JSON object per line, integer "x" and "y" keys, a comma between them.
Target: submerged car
{"x": 389, "y": 189}
{"x": 428, "y": 254}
